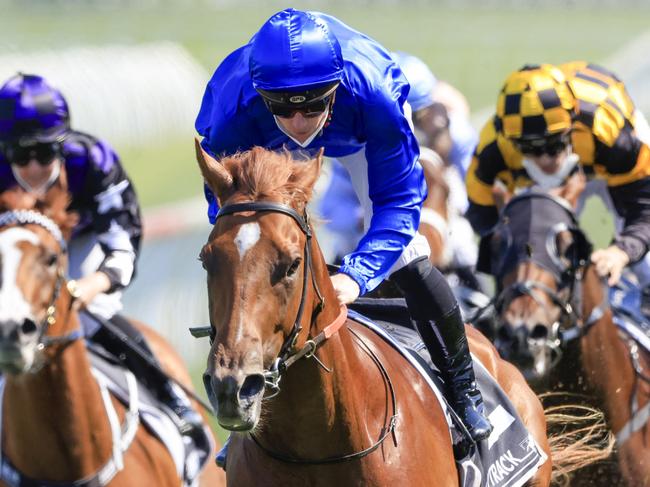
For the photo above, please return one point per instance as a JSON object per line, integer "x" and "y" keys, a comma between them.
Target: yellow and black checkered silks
{"x": 603, "y": 129}
{"x": 534, "y": 102}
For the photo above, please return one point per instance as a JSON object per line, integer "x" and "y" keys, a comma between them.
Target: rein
{"x": 386, "y": 431}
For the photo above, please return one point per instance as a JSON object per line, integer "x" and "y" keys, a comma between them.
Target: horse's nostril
{"x": 539, "y": 332}
{"x": 28, "y": 327}
{"x": 207, "y": 383}
{"x": 253, "y": 385}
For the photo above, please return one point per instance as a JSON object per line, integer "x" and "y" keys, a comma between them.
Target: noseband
{"x": 30, "y": 217}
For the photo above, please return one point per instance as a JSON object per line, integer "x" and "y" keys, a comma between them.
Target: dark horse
{"x": 346, "y": 408}
{"x": 556, "y": 324}
{"x": 59, "y": 427}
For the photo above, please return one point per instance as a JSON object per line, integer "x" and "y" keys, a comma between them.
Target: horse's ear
{"x": 216, "y": 176}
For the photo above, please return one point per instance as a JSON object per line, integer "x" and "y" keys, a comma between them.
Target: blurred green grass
{"x": 473, "y": 48}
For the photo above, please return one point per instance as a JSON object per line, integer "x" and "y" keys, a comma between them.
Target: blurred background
{"x": 134, "y": 73}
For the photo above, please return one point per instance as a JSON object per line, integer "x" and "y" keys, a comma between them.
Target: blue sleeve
{"x": 396, "y": 186}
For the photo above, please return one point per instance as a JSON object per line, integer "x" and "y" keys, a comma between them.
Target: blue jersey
{"x": 367, "y": 115}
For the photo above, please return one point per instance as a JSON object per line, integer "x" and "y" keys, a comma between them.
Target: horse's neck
{"x": 54, "y": 421}
{"x": 319, "y": 413}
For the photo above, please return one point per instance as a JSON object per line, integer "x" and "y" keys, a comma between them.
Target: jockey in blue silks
{"x": 305, "y": 81}
{"x": 37, "y": 144}
{"x": 441, "y": 119}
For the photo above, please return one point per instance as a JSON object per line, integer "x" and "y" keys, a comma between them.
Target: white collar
{"x": 39, "y": 190}
{"x": 549, "y": 181}
{"x": 309, "y": 139}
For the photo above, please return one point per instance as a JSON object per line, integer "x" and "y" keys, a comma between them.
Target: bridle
{"x": 288, "y": 355}
{"x": 31, "y": 217}
{"x": 570, "y": 324}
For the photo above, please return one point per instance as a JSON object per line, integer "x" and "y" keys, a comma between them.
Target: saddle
{"x": 631, "y": 310}
{"x": 510, "y": 456}
{"x": 189, "y": 456}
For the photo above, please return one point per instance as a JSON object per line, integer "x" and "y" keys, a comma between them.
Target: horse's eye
{"x": 291, "y": 270}
{"x": 51, "y": 260}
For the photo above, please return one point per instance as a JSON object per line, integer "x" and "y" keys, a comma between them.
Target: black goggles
{"x": 43, "y": 152}
{"x": 309, "y": 110}
{"x": 551, "y": 146}
{"x": 311, "y": 103}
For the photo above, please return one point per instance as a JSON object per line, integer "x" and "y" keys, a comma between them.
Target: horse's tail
{"x": 578, "y": 437}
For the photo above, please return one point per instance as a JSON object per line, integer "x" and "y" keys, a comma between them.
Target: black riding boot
{"x": 190, "y": 421}
{"x": 437, "y": 315}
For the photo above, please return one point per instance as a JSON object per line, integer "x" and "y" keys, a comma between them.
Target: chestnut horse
{"x": 350, "y": 411}
{"x": 556, "y": 325}
{"x": 55, "y": 424}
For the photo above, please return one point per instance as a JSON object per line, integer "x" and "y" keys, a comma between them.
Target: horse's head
{"x": 33, "y": 234}
{"x": 257, "y": 259}
{"x": 536, "y": 253}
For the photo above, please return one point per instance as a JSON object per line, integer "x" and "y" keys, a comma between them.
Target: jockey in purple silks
{"x": 36, "y": 145}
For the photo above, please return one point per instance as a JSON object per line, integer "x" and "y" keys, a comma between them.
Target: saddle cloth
{"x": 625, "y": 301}
{"x": 510, "y": 456}
{"x": 156, "y": 417}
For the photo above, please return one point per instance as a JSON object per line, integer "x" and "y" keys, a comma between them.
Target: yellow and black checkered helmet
{"x": 535, "y": 102}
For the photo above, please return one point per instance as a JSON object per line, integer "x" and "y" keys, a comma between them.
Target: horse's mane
{"x": 263, "y": 174}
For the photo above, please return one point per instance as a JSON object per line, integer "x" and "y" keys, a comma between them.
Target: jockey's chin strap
{"x": 31, "y": 217}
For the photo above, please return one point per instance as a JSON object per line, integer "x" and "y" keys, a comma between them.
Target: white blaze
{"x": 246, "y": 238}
{"x": 13, "y": 306}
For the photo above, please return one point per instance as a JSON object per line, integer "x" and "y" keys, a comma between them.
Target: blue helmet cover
{"x": 420, "y": 78}
{"x": 294, "y": 50}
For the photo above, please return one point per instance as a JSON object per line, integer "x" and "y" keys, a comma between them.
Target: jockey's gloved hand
{"x": 610, "y": 263}
{"x": 347, "y": 290}
{"x": 84, "y": 290}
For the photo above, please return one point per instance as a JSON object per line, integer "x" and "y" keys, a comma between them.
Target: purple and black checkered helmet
{"x": 32, "y": 111}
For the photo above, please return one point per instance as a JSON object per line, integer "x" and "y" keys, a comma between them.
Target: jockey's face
{"x": 549, "y": 164}
{"x": 301, "y": 127}
{"x": 548, "y": 153}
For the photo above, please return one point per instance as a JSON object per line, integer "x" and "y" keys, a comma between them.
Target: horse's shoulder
{"x": 481, "y": 347}
{"x": 506, "y": 374}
